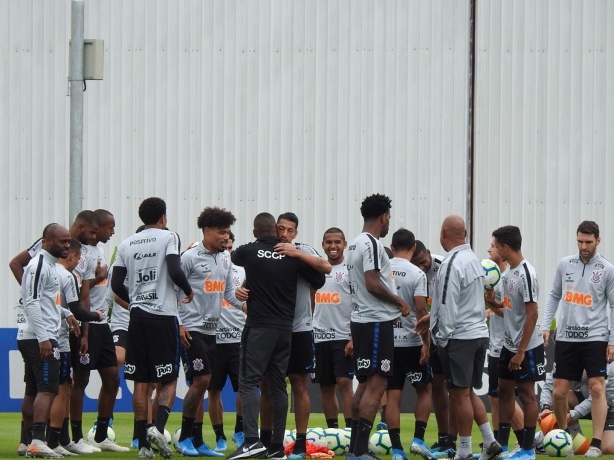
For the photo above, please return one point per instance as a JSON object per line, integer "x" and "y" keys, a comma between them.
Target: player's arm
{"x": 527, "y": 333}
{"x": 315, "y": 278}
{"x": 610, "y": 296}
{"x": 421, "y": 312}
{"x": 117, "y": 283}
{"x": 229, "y": 292}
{"x": 552, "y": 304}
{"x": 492, "y": 303}
{"x": 121, "y": 302}
{"x": 70, "y": 287}
{"x": 100, "y": 274}
{"x": 177, "y": 276}
{"x": 18, "y": 263}
{"x": 377, "y": 288}
{"x": 314, "y": 261}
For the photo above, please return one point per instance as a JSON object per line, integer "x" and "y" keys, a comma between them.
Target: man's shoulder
{"x": 306, "y": 248}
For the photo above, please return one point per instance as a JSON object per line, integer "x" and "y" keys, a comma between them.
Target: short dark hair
{"x": 75, "y": 245}
{"x": 102, "y": 214}
{"x": 588, "y": 227}
{"x": 88, "y": 217}
{"x": 231, "y": 236}
{"x": 50, "y": 229}
{"x": 375, "y": 205}
{"x": 265, "y": 225}
{"x": 333, "y": 230}
{"x": 290, "y": 216}
{"x": 213, "y": 217}
{"x": 403, "y": 240}
{"x": 510, "y": 235}
{"x": 420, "y": 248}
{"x": 151, "y": 210}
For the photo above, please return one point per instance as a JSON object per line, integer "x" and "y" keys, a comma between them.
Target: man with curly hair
{"x": 376, "y": 308}
{"x": 208, "y": 269}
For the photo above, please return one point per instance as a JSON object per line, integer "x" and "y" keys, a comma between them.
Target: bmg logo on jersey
{"x": 163, "y": 369}
{"x": 146, "y": 275}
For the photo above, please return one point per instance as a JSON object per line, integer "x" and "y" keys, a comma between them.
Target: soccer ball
{"x": 335, "y": 440}
{"x": 167, "y": 435}
{"x": 176, "y": 435}
{"x": 379, "y": 443}
{"x": 492, "y": 274}
{"x": 317, "y": 436}
{"x": 557, "y": 443}
{"x": 289, "y": 437}
{"x": 92, "y": 434}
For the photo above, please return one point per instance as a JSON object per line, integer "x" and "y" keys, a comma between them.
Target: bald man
{"x": 458, "y": 328}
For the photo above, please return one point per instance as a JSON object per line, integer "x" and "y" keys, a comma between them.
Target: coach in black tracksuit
{"x": 265, "y": 344}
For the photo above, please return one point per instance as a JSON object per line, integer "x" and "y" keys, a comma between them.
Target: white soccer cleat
{"x": 38, "y": 449}
{"x": 63, "y": 452}
{"x": 109, "y": 446}
{"x": 79, "y": 448}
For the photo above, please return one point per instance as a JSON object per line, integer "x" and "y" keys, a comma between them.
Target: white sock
{"x": 464, "y": 446}
{"x": 487, "y": 435}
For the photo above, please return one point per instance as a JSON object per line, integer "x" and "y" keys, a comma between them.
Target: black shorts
{"x": 532, "y": 369}
{"x": 572, "y": 358}
{"x": 100, "y": 349}
{"x": 332, "y": 362}
{"x": 435, "y": 360}
{"x": 40, "y": 376}
{"x": 493, "y": 376}
{"x": 226, "y": 365}
{"x": 152, "y": 353}
{"x": 609, "y": 422}
{"x": 302, "y": 353}
{"x": 373, "y": 349}
{"x": 120, "y": 338}
{"x": 463, "y": 362}
{"x": 199, "y": 359}
{"x": 65, "y": 367}
{"x": 407, "y": 367}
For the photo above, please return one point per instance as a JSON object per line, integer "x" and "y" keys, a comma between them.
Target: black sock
{"x": 64, "y": 435}
{"x": 395, "y": 438}
{"x": 47, "y": 430}
{"x": 219, "y": 432}
{"x": 495, "y": 433}
{"x": 54, "y": 437}
{"x": 596, "y": 443}
{"x": 362, "y": 437}
{"x": 442, "y": 439}
{"x": 239, "y": 424}
{"x": 451, "y": 440}
{"x": 265, "y": 436}
{"x": 102, "y": 424}
{"x": 140, "y": 428}
{"x": 38, "y": 431}
{"x": 23, "y": 438}
{"x": 29, "y": 435}
{"x": 77, "y": 430}
{"x": 187, "y": 424}
{"x": 382, "y": 412}
{"x": 353, "y": 435}
{"x": 419, "y": 430}
{"x": 348, "y": 422}
{"x": 528, "y": 440}
{"x": 519, "y": 435}
{"x": 504, "y": 433}
{"x": 162, "y": 417}
{"x": 332, "y": 422}
{"x": 300, "y": 446}
{"x": 197, "y": 434}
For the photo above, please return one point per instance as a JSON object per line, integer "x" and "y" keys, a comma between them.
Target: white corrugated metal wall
{"x": 309, "y": 106}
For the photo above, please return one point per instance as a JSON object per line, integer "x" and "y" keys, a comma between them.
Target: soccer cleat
{"x": 418, "y": 447}
{"x": 399, "y": 454}
{"x": 221, "y": 445}
{"x": 205, "y": 451}
{"x": 367, "y": 456}
{"x": 109, "y": 446}
{"x": 381, "y": 426}
{"x": 593, "y": 452}
{"x": 523, "y": 455}
{"x": 254, "y": 450}
{"x": 79, "y": 448}
{"x": 276, "y": 454}
{"x": 491, "y": 452}
{"x": 297, "y": 455}
{"x": 239, "y": 438}
{"x": 134, "y": 444}
{"x": 458, "y": 457}
{"x": 38, "y": 449}
{"x": 21, "y": 450}
{"x": 63, "y": 452}
{"x": 144, "y": 452}
{"x": 445, "y": 452}
{"x": 186, "y": 448}
{"x": 159, "y": 440}
{"x": 92, "y": 448}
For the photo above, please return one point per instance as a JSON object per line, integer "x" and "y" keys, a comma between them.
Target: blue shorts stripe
{"x": 376, "y": 331}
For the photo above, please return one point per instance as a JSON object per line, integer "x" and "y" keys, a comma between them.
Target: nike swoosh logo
{"x": 523, "y": 376}
{"x": 602, "y": 370}
{"x": 568, "y": 274}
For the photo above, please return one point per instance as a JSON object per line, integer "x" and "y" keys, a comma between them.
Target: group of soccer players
{"x": 364, "y": 316}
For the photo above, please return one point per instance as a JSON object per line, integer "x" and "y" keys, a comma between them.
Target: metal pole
{"x": 76, "y": 109}
{"x": 470, "y": 122}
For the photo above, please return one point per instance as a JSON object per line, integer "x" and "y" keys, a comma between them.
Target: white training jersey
{"x": 582, "y": 294}
{"x": 303, "y": 320}
{"x": 120, "y": 316}
{"x": 331, "y": 316}
{"x": 436, "y": 262}
{"x": 364, "y": 254}
{"x": 210, "y": 276}
{"x": 40, "y": 288}
{"x": 411, "y": 283}
{"x": 519, "y": 287}
{"x": 69, "y": 292}
{"x": 496, "y": 324}
{"x": 232, "y": 320}
{"x": 99, "y": 299}
{"x": 144, "y": 256}
{"x": 86, "y": 268}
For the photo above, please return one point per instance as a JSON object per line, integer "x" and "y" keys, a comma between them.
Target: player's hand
{"x": 543, "y": 414}
{"x": 242, "y": 294}
{"x": 184, "y": 337}
{"x": 44, "y": 349}
{"x": 83, "y": 345}
{"x": 101, "y": 273}
{"x": 516, "y": 361}
{"x": 349, "y": 348}
{"x": 610, "y": 353}
{"x": 404, "y": 308}
{"x": 546, "y": 337}
{"x": 425, "y": 353}
{"x": 73, "y": 325}
{"x": 188, "y": 298}
{"x": 244, "y": 308}
{"x": 423, "y": 324}
{"x": 489, "y": 296}
{"x": 100, "y": 315}
{"x": 287, "y": 249}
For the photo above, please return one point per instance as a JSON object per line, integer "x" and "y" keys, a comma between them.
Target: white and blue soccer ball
{"x": 379, "y": 443}
{"x": 289, "y": 437}
{"x": 317, "y": 436}
{"x": 557, "y": 443}
{"x": 92, "y": 434}
{"x": 336, "y": 440}
{"x": 492, "y": 274}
